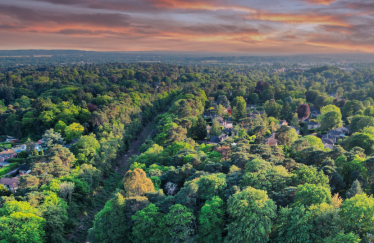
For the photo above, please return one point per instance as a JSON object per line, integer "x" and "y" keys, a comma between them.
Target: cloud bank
{"x": 279, "y": 27}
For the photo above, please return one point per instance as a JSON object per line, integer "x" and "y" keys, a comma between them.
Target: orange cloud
{"x": 324, "y": 2}
{"x": 309, "y": 18}
{"x": 198, "y": 5}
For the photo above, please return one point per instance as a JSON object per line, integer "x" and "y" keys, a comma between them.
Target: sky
{"x": 244, "y": 26}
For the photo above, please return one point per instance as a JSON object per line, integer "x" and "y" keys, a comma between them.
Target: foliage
{"x": 251, "y": 212}
{"x": 136, "y": 183}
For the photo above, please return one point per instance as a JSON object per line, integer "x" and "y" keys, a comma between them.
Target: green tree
{"x": 4, "y": 192}
{"x": 362, "y": 140}
{"x": 60, "y": 127}
{"x": 86, "y": 148}
{"x": 341, "y": 237}
{"x": 90, "y": 174}
{"x": 50, "y": 138}
{"x": 272, "y": 108}
{"x": 358, "y": 123}
{"x": 178, "y": 224}
{"x": 347, "y": 167}
{"x": 211, "y": 221}
{"x": 110, "y": 223}
{"x": 354, "y": 190}
{"x": 331, "y": 120}
{"x": 329, "y": 108}
{"x": 305, "y": 129}
{"x": 240, "y": 109}
{"x": 351, "y": 107}
{"x": 215, "y": 130}
{"x": 302, "y": 224}
{"x": 20, "y": 223}
{"x": 251, "y": 213}
{"x": 369, "y": 111}
{"x": 357, "y": 213}
{"x": 200, "y": 131}
{"x": 309, "y": 194}
{"x": 321, "y": 101}
{"x": 307, "y": 174}
{"x": 75, "y": 130}
{"x": 145, "y": 226}
{"x": 314, "y": 141}
{"x": 287, "y": 113}
{"x": 35, "y": 152}
{"x": 286, "y": 135}
{"x": 55, "y": 217}
{"x": 294, "y": 121}
{"x": 22, "y": 154}
{"x": 61, "y": 156}
{"x": 222, "y": 100}
{"x": 220, "y": 110}
{"x": 264, "y": 176}
{"x": 211, "y": 185}
{"x": 254, "y": 98}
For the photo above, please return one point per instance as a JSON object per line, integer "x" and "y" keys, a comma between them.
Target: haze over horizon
{"x": 259, "y": 27}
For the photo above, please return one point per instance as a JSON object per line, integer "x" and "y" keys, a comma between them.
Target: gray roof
{"x": 328, "y": 141}
{"x": 218, "y": 139}
{"x": 228, "y": 130}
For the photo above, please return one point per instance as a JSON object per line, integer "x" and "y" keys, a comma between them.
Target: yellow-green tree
{"x": 136, "y": 183}
{"x": 75, "y": 130}
{"x": 19, "y": 222}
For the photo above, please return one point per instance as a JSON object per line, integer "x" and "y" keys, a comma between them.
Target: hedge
{"x": 9, "y": 168}
{"x": 16, "y": 160}
{"x": 6, "y": 145}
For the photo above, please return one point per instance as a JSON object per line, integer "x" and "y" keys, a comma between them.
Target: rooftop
{"x": 11, "y": 182}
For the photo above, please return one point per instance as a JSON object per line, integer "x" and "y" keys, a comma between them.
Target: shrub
{"x": 9, "y": 168}
{"x": 16, "y": 160}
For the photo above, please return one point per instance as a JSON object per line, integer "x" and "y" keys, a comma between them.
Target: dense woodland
{"x": 181, "y": 189}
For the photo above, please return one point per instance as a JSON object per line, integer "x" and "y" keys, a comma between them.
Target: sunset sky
{"x": 252, "y": 26}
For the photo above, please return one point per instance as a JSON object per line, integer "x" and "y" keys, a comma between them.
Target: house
{"x": 328, "y": 143}
{"x": 221, "y": 121}
{"x": 283, "y": 123}
{"x": 228, "y": 125}
{"x": 24, "y": 169}
{"x": 333, "y": 135}
{"x": 10, "y": 183}
{"x": 20, "y": 147}
{"x": 252, "y": 115}
{"x": 342, "y": 130}
{"x": 228, "y": 131}
{"x": 11, "y": 139}
{"x": 271, "y": 141}
{"x": 229, "y": 111}
{"x": 314, "y": 111}
{"x": 7, "y": 154}
{"x": 217, "y": 139}
{"x": 38, "y": 145}
{"x": 250, "y": 107}
{"x": 313, "y": 125}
